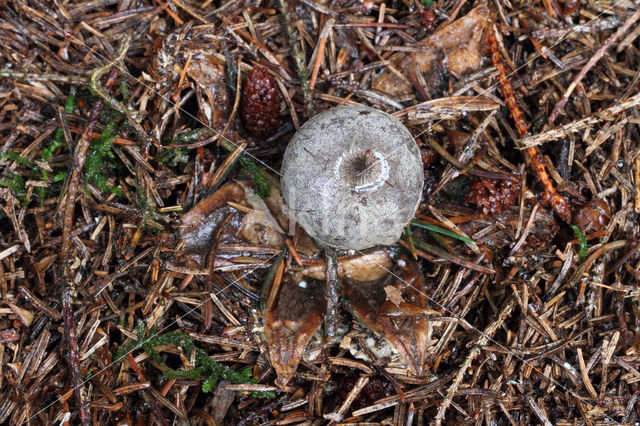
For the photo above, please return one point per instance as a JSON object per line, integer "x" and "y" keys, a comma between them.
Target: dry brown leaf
{"x": 394, "y": 295}
{"x": 296, "y": 315}
{"x": 369, "y": 267}
{"x": 194, "y": 48}
{"x": 210, "y": 77}
{"x": 198, "y": 225}
{"x": 456, "y": 47}
{"x": 404, "y": 324}
{"x": 256, "y": 228}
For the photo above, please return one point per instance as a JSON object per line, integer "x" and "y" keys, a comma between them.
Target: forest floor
{"x": 150, "y": 272}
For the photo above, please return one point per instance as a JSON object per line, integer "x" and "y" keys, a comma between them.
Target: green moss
{"x": 583, "y": 246}
{"x": 15, "y": 182}
{"x": 150, "y": 218}
{"x": 49, "y": 150}
{"x": 203, "y": 366}
{"x": 97, "y": 165}
{"x": 260, "y": 178}
{"x": 189, "y": 136}
{"x": 70, "y": 104}
{"x": 173, "y": 157}
{"x": 124, "y": 88}
{"x": 14, "y": 156}
{"x": 55, "y": 143}
{"x": 263, "y": 189}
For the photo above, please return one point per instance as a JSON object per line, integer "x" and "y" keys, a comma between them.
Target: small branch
{"x": 70, "y": 79}
{"x": 584, "y": 266}
{"x": 66, "y": 285}
{"x": 76, "y": 168}
{"x": 581, "y": 124}
{"x": 559, "y": 203}
{"x": 102, "y": 92}
{"x": 74, "y": 361}
{"x": 486, "y": 337}
{"x": 96, "y": 87}
{"x": 594, "y": 59}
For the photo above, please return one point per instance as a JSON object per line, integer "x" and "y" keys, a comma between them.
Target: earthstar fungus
{"x": 352, "y": 177}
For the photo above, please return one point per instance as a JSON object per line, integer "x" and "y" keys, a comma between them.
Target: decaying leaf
{"x": 456, "y": 47}
{"x": 260, "y": 226}
{"x": 361, "y": 268}
{"x": 273, "y": 206}
{"x": 295, "y": 316}
{"x": 459, "y": 42}
{"x": 209, "y": 76}
{"x": 256, "y": 228}
{"x": 280, "y": 212}
{"x": 396, "y": 308}
{"x": 199, "y": 226}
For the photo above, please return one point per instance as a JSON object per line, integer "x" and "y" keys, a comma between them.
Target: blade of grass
{"x": 441, "y": 230}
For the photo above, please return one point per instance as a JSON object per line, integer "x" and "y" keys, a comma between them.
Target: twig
{"x": 594, "y": 59}
{"x": 155, "y": 409}
{"x": 584, "y": 266}
{"x": 66, "y": 284}
{"x": 558, "y": 202}
{"x": 353, "y": 394}
{"x": 96, "y": 87}
{"x": 469, "y": 168}
{"x": 452, "y": 258}
{"x": 527, "y": 229}
{"x": 71, "y": 79}
{"x": 583, "y": 123}
{"x": 486, "y": 336}
{"x": 319, "y": 54}
{"x": 538, "y": 412}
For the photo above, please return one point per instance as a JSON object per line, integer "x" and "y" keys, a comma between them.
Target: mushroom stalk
{"x": 332, "y": 291}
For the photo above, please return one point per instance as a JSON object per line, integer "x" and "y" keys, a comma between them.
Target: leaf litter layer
{"x": 149, "y": 271}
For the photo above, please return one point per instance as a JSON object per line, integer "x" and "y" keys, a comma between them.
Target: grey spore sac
{"x": 352, "y": 177}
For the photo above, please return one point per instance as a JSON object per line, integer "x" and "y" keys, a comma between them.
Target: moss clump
{"x": 15, "y": 182}
{"x": 97, "y": 168}
{"x": 203, "y": 366}
{"x": 263, "y": 189}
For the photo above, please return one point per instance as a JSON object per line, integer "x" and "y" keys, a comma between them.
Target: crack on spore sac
{"x": 362, "y": 170}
